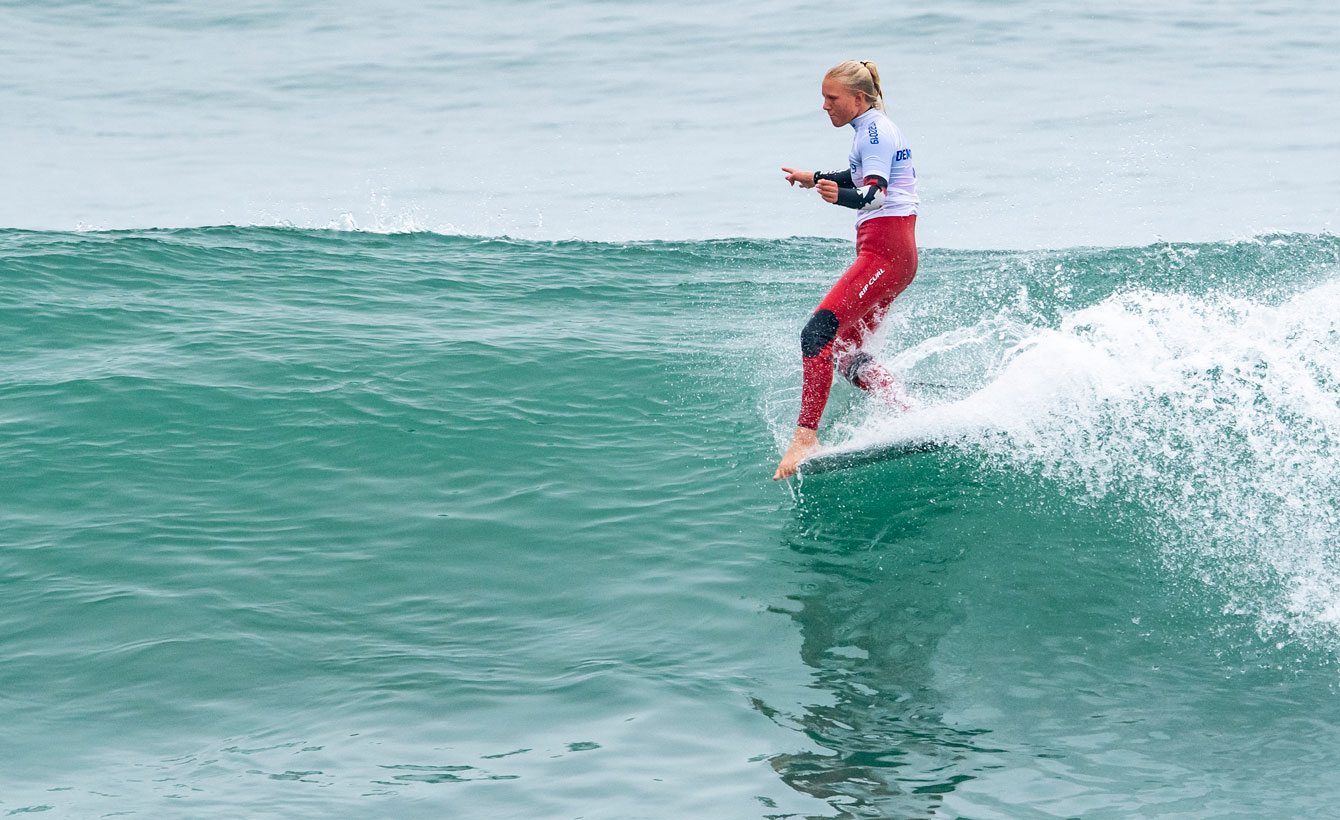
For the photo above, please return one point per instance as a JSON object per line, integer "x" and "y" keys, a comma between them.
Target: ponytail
{"x": 878, "y": 101}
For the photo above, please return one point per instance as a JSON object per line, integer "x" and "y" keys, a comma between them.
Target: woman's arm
{"x": 868, "y": 197}
{"x": 828, "y": 182}
{"x": 808, "y": 179}
{"x": 842, "y": 178}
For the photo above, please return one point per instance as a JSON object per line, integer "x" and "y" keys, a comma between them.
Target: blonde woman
{"x": 880, "y": 184}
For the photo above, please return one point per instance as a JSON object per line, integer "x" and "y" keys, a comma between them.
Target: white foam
{"x": 1218, "y": 416}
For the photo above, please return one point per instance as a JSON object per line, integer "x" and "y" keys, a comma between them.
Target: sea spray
{"x": 1218, "y": 415}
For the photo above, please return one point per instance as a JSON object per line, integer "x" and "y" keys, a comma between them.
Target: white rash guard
{"x": 879, "y": 149}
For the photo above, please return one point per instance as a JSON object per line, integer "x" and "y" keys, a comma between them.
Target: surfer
{"x": 881, "y": 185}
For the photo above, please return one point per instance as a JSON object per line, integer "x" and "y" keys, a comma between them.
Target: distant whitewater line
{"x": 410, "y": 226}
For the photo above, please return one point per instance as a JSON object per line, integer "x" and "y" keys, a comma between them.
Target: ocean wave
{"x": 1205, "y": 395}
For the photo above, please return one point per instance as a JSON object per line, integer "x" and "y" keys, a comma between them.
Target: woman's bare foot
{"x": 803, "y": 442}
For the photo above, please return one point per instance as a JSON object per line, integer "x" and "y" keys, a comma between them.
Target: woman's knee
{"x": 818, "y": 333}
{"x": 849, "y": 365}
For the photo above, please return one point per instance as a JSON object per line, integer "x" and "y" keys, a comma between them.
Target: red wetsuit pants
{"x": 886, "y": 261}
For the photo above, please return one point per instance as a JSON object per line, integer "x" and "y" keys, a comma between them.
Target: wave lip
{"x": 1217, "y": 416}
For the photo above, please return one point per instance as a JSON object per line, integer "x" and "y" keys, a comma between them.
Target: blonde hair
{"x": 859, "y": 75}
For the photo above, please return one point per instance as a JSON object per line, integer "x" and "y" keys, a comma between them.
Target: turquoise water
{"x": 318, "y": 523}
{"x": 433, "y": 481}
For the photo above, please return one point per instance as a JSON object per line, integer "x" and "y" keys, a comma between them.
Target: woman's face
{"x": 842, "y": 105}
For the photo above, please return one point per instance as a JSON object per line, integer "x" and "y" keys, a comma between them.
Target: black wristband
{"x": 816, "y": 177}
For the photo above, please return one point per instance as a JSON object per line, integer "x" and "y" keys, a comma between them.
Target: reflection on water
{"x": 984, "y": 643}
{"x": 879, "y": 600}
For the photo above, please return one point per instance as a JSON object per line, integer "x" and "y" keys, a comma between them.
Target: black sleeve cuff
{"x": 849, "y": 198}
{"x": 842, "y": 178}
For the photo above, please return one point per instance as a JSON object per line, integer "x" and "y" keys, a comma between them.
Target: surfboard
{"x": 830, "y": 460}
{"x": 935, "y": 425}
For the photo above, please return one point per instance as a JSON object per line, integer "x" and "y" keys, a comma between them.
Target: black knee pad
{"x": 819, "y": 331}
{"x": 852, "y": 372}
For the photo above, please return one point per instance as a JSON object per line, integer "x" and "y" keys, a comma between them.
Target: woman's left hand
{"x": 828, "y": 189}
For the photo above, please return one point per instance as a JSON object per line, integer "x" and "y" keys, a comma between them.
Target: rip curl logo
{"x": 872, "y": 281}
{"x": 874, "y": 134}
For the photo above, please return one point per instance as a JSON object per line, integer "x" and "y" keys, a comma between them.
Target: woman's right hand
{"x": 828, "y": 189}
{"x": 804, "y": 179}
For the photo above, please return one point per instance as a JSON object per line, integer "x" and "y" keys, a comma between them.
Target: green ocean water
{"x": 338, "y": 524}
